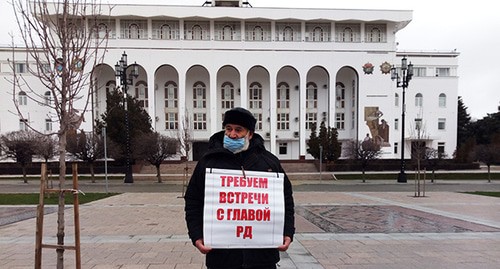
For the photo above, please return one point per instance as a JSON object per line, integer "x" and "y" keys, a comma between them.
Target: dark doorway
{"x": 199, "y": 149}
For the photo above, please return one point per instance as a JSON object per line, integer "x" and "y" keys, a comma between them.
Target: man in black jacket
{"x": 237, "y": 147}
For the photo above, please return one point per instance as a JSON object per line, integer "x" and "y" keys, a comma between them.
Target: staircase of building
{"x": 176, "y": 171}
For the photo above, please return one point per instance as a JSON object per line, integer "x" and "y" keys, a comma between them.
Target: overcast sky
{"x": 470, "y": 27}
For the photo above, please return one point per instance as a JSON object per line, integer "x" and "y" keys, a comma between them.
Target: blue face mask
{"x": 235, "y": 145}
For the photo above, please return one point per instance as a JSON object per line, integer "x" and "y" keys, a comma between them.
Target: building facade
{"x": 291, "y": 68}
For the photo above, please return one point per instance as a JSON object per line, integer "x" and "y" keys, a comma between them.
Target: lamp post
{"x": 402, "y": 82}
{"x": 121, "y": 72}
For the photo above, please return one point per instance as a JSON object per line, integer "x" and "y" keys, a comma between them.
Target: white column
{"x": 302, "y": 113}
{"x": 182, "y": 101}
{"x": 152, "y": 89}
{"x": 243, "y": 89}
{"x": 272, "y": 111}
{"x": 212, "y": 112}
{"x": 331, "y": 99}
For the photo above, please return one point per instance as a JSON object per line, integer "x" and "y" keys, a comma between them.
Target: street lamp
{"x": 402, "y": 82}
{"x": 121, "y": 72}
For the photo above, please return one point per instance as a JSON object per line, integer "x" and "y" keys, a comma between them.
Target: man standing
{"x": 237, "y": 147}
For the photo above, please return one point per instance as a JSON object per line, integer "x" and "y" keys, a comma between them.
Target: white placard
{"x": 243, "y": 210}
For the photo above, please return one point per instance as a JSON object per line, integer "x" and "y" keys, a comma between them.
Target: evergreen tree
{"x": 327, "y": 140}
{"x": 116, "y": 129}
{"x": 463, "y": 123}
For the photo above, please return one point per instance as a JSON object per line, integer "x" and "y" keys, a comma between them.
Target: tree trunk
{"x": 158, "y": 173}
{"x": 92, "y": 174}
{"x": 60, "y": 209}
{"x": 25, "y": 179}
{"x": 489, "y": 174}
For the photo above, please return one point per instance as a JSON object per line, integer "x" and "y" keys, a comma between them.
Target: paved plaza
{"x": 335, "y": 229}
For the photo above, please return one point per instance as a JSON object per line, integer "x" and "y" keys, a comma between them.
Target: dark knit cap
{"x": 240, "y": 116}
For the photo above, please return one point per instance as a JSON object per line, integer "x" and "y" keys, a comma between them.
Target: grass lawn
{"x": 486, "y": 193}
{"x": 52, "y": 199}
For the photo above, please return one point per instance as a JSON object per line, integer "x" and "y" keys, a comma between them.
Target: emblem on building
{"x": 368, "y": 68}
{"x": 77, "y": 65}
{"x": 385, "y": 67}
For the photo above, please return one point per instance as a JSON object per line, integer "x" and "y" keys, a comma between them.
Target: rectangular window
{"x": 312, "y": 98}
{"x": 340, "y": 121}
{"x": 227, "y": 98}
{"x": 23, "y": 99}
{"x": 21, "y": 68}
{"x": 258, "y": 124}
{"x": 200, "y": 121}
{"x": 418, "y": 124}
{"x": 23, "y": 124}
{"x": 419, "y": 71}
{"x": 283, "y": 98}
{"x": 48, "y": 125}
{"x": 442, "y": 72}
{"x": 170, "y": 96}
{"x": 199, "y": 100}
{"x": 395, "y": 147}
{"x": 283, "y": 148}
{"x": 46, "y": 69}
{"x": 283, "y": 121}
{"x": 311, "y": 118}
{"x": 171, "y": 122}
{"x": 396, "y": 124}
{"x": 441, "y": 149}
{"x": 441, "y": 124}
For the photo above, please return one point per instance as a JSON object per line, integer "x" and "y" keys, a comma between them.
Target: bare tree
{"x": 87, "y": 147}
{"x": 185, "y": 138}
{"x": 20, "y": 146}
{"x": 155, "y": 148}
{"x": 62, "y": 40}
{"x": 46, "y": 147}
{"x": 363, "y": 152}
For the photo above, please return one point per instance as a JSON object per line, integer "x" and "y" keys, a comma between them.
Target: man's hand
{"x": 201, "y": 246}
{"x": 286, "y": 243}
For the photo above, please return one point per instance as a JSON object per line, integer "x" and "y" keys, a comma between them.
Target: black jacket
{"x": 256, "y": 158}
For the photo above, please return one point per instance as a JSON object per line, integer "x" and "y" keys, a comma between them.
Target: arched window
{"x": 197, "y": 32}
{"x": 102, "y": 30}
{"x": 375, "y": 35}
{"x": 227, "y": 32}
{"x": 171, "y": 94}
{"x": 348, "y": 35}
{"x": 227, "y": 95}
{"x": 312, "y": 95}
{"x": 283, "y": 95}
{"x": 22, "y": 98}
{"x": 396, "y": 99}
{"x": 255, "y": 95}
{"x": 258, "y": 33}
{"x": 442, "y": 100}
{"x": 317, "y": 34}
{"x": 165, "y": 31}
{"x": 288, "y": 33}
{"x": 134, "y": 31}
{"x": 141, "y": 93}
{"x": 419, "y": 100}
{"x": 199, "y": 95}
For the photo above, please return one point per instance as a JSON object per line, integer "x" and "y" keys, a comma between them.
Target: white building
{"x": 290, "y": 67}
